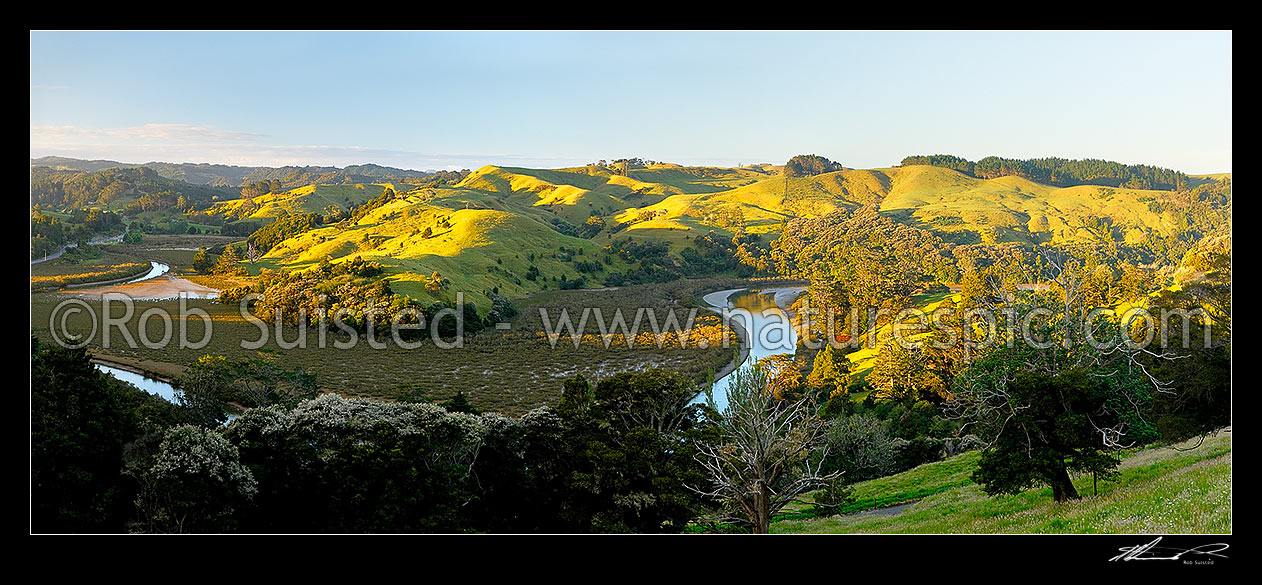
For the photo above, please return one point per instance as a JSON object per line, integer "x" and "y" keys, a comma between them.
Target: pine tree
{"x": 201, "y": 261}
{"x": 829, "y": 368}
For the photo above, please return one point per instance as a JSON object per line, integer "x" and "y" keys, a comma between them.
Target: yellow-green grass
{"x": 483, "y": 249}
{"x": 698, "y": 179}
{"x": 571, "y": 194}
{"x": 771, "y": 200}
{"x": 506, "y": 213}
{"x": 1016, "y": 209}
{"x": 60, "y": 215}
{"x": 901, "y": 488}
{"x": 674, "y": 191}
{"x": 659, "y": 179}
{"x": 1157, "y": 491}
{"x": 1212, "y": 177}
{"x": 309, "y": 199}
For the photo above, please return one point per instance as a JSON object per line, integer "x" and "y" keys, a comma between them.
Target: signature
{"x": 1152, "y": 552}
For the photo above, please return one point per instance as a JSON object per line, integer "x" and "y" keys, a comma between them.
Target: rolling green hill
{"x": 114, "y": 188}
{"x": 323, "y": 199}
{"x": 475, "y": 249}
{"x": 489, "y": 229}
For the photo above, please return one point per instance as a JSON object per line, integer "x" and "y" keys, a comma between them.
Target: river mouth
{"x": 760, "y": 317}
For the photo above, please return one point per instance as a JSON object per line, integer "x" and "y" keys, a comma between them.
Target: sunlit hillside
{"x": 322, "y": 199}
{"x": 489, "y": 229}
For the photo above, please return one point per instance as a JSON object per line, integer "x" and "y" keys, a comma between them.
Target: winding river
{"x": 141, "y": 381}
{"x": 150, "y": 385}
{"x": 761, "y": 321}
{"x": 157, "y": 269}
{"x": 757, "y": 315}
{"x": 156, "y": 285}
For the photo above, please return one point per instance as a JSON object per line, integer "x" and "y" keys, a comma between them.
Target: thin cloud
{"x": 194, "y": 143}
{"x": 182, "y": 143}
{"x": 175, "y": 133}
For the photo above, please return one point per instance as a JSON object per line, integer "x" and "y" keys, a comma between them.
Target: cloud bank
{"x": 207, "y": 144}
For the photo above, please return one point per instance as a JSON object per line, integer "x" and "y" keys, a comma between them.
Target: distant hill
{"x": 116, "y": 188}
{"x": 235, "y": 176}
{"x": 1060, "y": 172}
{"x": 61, "y": 163}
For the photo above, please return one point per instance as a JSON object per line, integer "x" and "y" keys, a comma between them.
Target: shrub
{"x": 860, "y": 447}
{"x": 954, "y": 447}
{"x": 916, "y": 452}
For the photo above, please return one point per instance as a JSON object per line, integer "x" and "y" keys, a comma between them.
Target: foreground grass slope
{"x": 1166, "y": 490}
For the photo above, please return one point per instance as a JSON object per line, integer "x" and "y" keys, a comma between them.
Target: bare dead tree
{"x": 769, "y": 452}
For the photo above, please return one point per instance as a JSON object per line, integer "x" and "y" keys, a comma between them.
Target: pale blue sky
{"x": 429, "y": 100}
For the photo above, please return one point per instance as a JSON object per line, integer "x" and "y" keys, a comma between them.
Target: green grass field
{"x": 1158, "y": 490}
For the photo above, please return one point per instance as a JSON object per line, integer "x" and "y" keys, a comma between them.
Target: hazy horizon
{"x": 431, "y": 170}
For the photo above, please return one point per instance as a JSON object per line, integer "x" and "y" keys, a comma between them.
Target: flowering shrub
{"x": 353, "y": 465}
{"x": 195, "y": 483}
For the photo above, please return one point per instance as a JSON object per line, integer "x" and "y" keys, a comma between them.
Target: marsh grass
{"x": 510, "y": 371}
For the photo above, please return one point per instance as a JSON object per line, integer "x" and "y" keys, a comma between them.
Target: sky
{"x": 463, "y": 99}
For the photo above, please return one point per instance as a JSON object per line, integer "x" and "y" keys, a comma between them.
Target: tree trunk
{"x": 1062, "y": 487}
{"x": 762, "y": 512}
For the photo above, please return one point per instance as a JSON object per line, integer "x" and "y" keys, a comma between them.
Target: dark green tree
{"x": 634, "y": 450}
{"x": 81, "y": 420}
{"x": 459, "y": 403}
{"x": 1066, "y": 395}
{"x": 1053, "y": 434}
{"x": 227, "y": 262}
{"x": 344, "y": 465}
{"x": 202, "y": 261}
{"x": 805, "y": 165}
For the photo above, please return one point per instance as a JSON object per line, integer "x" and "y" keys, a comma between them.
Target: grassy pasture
{"x": 1159, "y": 490}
